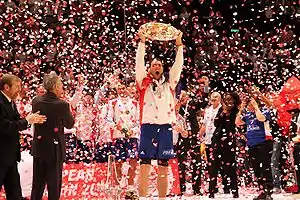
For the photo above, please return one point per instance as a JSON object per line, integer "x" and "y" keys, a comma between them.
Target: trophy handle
{"x": 112, "y": 191}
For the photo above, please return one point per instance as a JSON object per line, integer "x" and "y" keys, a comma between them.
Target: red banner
{"x": 83, "y": 181}
{"x": 87, "y": 181}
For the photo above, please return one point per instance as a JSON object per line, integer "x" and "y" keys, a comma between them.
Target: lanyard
{"x": 185, "y": 109}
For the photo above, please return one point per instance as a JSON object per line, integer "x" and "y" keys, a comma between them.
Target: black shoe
{"x": 173, "y": 195}
{"x": 226, "y": 191}
{"x": 262, "y": 196}
{"x": 182, "y": 192}
{"x": 197, "y": 193}
{"x": 211, "y": 196}
{"x": 297, "y": 192}
{"x": 268, "y": 197}
{"x": 179, "y": 195}
{"x": 235, "y": 195}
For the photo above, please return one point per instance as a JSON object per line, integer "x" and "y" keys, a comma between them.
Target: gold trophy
{"x": 159, "y": 31}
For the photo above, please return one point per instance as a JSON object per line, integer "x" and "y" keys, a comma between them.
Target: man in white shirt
{"x": 86, "y": 115}
{"x": 123, "y": 120}
{"x": 157, "y": 114}
{"x": 208, "y": 126}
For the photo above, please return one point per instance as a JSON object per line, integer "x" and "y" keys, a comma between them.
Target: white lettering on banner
{"x": 88, "y": 181}
{"x": 89, "y": 190}
{"x": 69, "y": 190}
{"x": 90, "y": 174}
{"x": 72, "y": 175}
{"x": 82, "y": 174}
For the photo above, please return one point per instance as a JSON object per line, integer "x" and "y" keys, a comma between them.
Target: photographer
{"x": 259, "y": 141}
{"x": 277, "y": 135}
{"x": 191, "y": 145}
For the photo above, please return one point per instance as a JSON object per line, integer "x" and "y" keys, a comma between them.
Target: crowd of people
{"x": 205, "y": 138}
{"x": 236, "y": 46}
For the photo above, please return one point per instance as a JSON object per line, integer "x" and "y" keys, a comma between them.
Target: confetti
{"x": 247, "y": 44}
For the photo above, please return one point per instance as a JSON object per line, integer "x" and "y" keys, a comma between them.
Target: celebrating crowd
{"x": 216, "y": 101}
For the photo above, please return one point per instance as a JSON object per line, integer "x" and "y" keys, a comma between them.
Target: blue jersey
{"x": 257, "y": 131}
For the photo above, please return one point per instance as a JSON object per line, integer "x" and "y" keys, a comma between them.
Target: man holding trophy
{"x": 157, "y": 107}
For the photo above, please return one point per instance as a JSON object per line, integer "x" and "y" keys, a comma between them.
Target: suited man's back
{"x": 50, "y": 134}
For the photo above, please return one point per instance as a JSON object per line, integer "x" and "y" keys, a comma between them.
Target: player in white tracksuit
{"x": 123, "y": 120}
{"x": 157, "y": 99}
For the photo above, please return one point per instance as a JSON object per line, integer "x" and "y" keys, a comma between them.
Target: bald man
{"x": 210, "y": 113}
{"x": 208, "y": 128}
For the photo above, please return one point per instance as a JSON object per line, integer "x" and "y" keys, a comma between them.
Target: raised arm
{"x": 262, "y": 97}
{"x": 77, "y": 96}
{"x": 136, "y": 126}
{"x": 239, "y": 121}
{"x": 261, "y": 116}
{"x": 110, "y": 115}
{"x": 140, "y": 68}
{"x": 176, "y": 69}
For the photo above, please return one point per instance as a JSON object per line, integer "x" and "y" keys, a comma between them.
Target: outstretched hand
{"x": 254, "y": 103}
{"x": 142, "y": 37}
{"x": 179, "y": 39}
{"x": 206, "y": 80}
{"x": 36, "y": 118}
{"x": 243, "y": 105}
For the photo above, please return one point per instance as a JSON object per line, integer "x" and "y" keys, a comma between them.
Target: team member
{"x": 123, "y": 117}
{"x": 157, "y": 114}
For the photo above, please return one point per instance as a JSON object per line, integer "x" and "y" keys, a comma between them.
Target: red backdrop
{"x": 86, "y": 181}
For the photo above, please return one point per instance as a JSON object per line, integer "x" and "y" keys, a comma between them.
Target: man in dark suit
{"x": 49, "y": 148}
{"x": 191, "y": 145}
{"x": 10, "y": 125}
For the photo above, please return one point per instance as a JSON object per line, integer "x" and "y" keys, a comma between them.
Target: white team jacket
{"x": 157, "y": 107}
{"x": 126, "y": 113}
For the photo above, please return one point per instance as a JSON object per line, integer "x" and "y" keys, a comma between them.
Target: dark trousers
{"x": 46, "y": 172}
{"x": 297, "y": 163}
{"x": 10, "y": 179}
{"x": 190, "y": 146}
{"x": 223, "y": 155}
{"x": 260, "y": 156}
{"x": 209, "y": 156}
{"x": 84, "y": 151}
